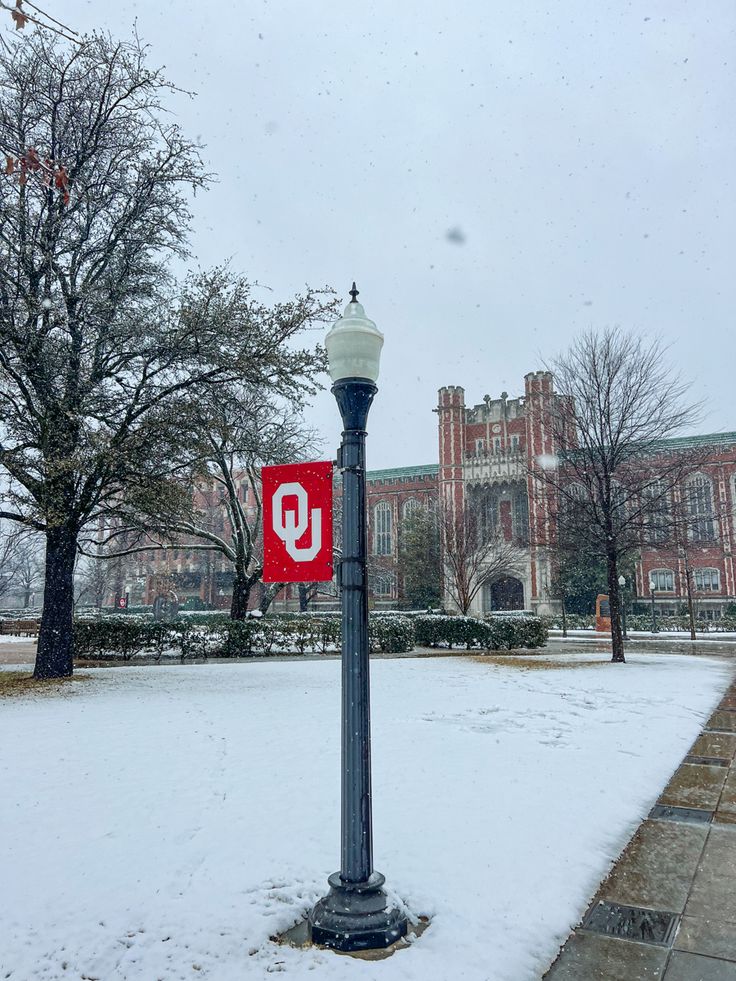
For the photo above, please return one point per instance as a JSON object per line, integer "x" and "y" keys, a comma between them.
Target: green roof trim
{"x": 404, "y": 473}
{"x": 690, "y": 442}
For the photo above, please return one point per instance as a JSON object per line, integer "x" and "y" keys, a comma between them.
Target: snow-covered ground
{"x": 163, "y": 822}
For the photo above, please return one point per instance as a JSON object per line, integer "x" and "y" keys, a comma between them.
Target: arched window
{"x": 619, "y": 503}
{"x": 488, "y": 517}
{"x": 382, "y": 529}
{"x": 572, "y": 496}
{"x": 520, "y": 516}
{"x": 382, "y": 585}
{"x": 657, "y": 513}
{"x": 707, "y": 580}
{"x": 481, "y": 512}
{"x": 663, "y": 580}
{"x": 699, "y": 501}
{"x": 411, "y": 507}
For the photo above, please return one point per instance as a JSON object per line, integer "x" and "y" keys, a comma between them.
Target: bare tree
{"x": 614, "y": 468}
{"x": 30, "y": 570}
{"x": 472, "y": 553}
{"x": 21, "y": 562}
{"x": 9, "y": 541}
{"x": 97, "y": 579}
{"x": 230, "y": 435}
{"x": 25, "y": 12}
{"x": 97, "y": 349}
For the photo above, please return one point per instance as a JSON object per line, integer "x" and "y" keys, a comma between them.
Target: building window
{"x": 699, "y": 498}
{"x": 707, "y": 580}
{"x": 619, "y": 502}
{"x": 571, "y": 505}
{"x": 663, "y": 580}
{"x": 382, "y": 586}
{"x": 520, "y": 517}
{"x": 486, "y": 520}
{"x": 657, "y": 511}
{"x": 497, "y": 444}
{"x": 480, "y": 447}
{"x": 382, "y": 529}
{"x": 411, "y": 507}
{"x": 514, "y": 444}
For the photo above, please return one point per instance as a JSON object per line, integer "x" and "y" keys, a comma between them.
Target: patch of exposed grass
{"x": 535, "y": 662}
{"x": 19, "y": 683}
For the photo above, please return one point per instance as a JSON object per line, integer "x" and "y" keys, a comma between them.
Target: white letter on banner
{"x": 290, "y": 530}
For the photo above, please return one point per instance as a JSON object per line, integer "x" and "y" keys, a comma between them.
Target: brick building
{"x": 709, "y": 500}
{"x": 485, "y": 458}
{"x": 486, "y": 454}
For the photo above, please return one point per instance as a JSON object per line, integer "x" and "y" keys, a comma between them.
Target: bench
{"x": 20, "y": 628}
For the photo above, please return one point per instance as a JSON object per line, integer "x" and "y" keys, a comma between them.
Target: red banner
{"x": 297, "y": 522}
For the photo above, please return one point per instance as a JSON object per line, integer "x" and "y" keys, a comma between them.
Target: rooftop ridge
{"x": 696, "y": 440}
{"x": 424, "y": 469}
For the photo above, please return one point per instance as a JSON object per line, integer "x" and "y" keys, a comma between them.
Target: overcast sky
{"x": 495, "y": 176}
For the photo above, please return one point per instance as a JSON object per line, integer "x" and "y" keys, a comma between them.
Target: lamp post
{"x": 652, "y": 586}
{"x": 354, "y": 915}
{"x": 622, "y": 584}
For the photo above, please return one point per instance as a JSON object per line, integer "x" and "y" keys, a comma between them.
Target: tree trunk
{"x": 303, "y": 600}
{"x": 241, "y": 597}
{"x": 614, "y": 599}
{"x": 269, "y": 595}
{"x": 690, "y": 610}
{"x": 564, "y": 617}
{"x": 55, "y": 655}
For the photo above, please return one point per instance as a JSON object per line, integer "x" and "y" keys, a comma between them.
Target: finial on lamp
{"x": 354, "y": 293}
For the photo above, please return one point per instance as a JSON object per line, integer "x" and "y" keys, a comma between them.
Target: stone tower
{"x": 451, "y": 411}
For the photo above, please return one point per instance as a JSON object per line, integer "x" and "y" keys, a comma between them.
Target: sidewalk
{"x": 667, "y": 910}
{"x": 18, "y": 652}
{"x": 713, "y": 645}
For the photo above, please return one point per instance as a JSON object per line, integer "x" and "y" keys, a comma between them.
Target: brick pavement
{"x": 667, "y": 910}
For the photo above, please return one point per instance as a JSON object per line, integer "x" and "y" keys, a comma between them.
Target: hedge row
{"x": 128, "y": 637}
{"x": 643, "y": 621}
{"x": 491, "y": 633}
{"x": 118, "y": 637}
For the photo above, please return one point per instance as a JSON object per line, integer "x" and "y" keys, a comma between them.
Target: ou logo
{"x": 290, "y": 525}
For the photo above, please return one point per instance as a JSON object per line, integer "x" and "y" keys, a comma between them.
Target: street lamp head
{"x": 354, "y": 344}
{"x": 652, "y": 585}
{"x": 622, "y": 581}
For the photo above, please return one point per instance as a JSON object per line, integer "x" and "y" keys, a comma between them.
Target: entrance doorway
{"x": 503, "y": 594}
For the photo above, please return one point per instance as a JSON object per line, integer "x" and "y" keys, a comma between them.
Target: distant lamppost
{"x": 652, "y": 587}
{"x": 354, "y": 914}
{"x": 622, "y": 584}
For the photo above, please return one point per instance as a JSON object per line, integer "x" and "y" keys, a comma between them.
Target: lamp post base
{"x": 354, "y": 916}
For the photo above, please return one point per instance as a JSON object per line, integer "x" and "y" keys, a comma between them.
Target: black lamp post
{"x": 354, "y": 915}
{"x": 654, "y": 617}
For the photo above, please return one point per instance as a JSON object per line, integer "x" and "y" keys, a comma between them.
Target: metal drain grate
{"x": 687, "y": 815}
{"x": 645, "y": 926}
{"x": 706, "y": 760}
